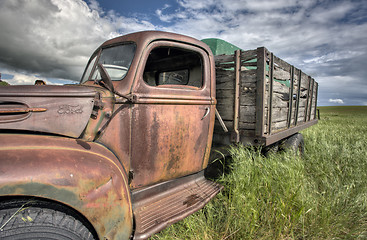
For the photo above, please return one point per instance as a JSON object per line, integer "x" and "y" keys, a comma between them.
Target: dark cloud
{"x": 326, "y": 39}
{"x": 52, "y": 38}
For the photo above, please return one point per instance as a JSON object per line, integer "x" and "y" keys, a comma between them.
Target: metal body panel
{"x": 61, "y": 106}
{"x": 117, "y": 134}
{"x": 169, "y": 141}
{"x": 171, "y": 124}
{"x": 83, "y": 175}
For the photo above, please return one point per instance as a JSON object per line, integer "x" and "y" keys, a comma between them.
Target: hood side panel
{"x": 62, "y": 110}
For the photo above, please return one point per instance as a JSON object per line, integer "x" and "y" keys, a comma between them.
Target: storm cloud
{"x": 326, "y": 39}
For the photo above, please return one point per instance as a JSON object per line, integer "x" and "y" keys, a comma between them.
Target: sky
{"x": 53, "y": 39}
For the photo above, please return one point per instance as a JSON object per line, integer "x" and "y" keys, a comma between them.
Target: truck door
{"x": 173, "y": 118}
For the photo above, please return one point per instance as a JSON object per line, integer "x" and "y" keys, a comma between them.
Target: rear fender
{"x": 83, "y": 175}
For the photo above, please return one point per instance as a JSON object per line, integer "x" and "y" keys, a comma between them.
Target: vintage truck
{"x": 122, "y": 154}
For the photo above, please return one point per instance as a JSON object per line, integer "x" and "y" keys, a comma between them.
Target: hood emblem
{"x": 70, "y": 109}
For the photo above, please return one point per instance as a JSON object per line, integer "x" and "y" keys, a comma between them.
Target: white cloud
{"x": 21, "y": 79}
{"x": 338, "y": 101}
{"x": 55, "y": 38}
{"x": 326, "y": 39}
{"x": 29, "y": 79}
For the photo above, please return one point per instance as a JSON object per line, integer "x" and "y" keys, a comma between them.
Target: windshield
{"x": 116, "y": 60}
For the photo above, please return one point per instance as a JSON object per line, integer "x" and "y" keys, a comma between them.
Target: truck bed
{"x": 261, "y": 98}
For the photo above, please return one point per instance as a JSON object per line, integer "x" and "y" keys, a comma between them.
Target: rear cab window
{"x": 174, "y": 68}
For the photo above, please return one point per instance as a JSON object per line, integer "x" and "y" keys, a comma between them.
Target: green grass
{"x": 322, "y": 196}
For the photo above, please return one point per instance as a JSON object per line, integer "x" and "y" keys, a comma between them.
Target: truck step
{"x": 164, "y": 204}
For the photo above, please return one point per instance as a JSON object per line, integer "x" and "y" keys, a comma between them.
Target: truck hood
{"x": 63, "y": 110}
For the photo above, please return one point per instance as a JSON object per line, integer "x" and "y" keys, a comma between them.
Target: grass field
{"x": 322, "y": 196}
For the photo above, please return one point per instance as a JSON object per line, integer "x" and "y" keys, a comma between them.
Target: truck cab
{"x": 171, "y": 105}
{"x": 125, "y": 150}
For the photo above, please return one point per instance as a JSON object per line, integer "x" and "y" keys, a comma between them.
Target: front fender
{"x": 83, "y": 175}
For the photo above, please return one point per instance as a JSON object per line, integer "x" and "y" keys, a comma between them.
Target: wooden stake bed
{"x": 262, "y": 98}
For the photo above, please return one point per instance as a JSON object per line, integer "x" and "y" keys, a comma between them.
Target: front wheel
{"x": 30, "y": 220}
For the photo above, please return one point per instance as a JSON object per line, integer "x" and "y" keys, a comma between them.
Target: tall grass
{"x": 321, "y": 196}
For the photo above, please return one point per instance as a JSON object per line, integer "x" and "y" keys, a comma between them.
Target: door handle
{"x": 207, "y": 111}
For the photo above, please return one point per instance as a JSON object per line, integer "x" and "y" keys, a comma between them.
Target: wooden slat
{"x": 236, "y": 117}
{"x": 224, "y": 58}
{"x": 270, "y": 107}
{"x": 248, "y": 98}
{"x": 290, "y": 98}
{"x": 281, "y": 74}
{"x": 248, "y": 55}
{"x": 298, "y": 95}
{"x": 248, "y": 76}
{"x": 225, "y": 65}
{"x": 282, "y": 64}
{"x": 309, "y": 113}
{"x": 308, "y": 98}
{"x": 249, "y": 64}
{"x": 317, "y": 90}
{"x": 260, "y": 92}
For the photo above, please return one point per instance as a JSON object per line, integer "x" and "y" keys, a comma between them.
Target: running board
{"x": 161, "y": 205}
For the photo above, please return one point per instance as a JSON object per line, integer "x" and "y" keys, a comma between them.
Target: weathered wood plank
{"x": 225, "y": 112}
{"x": 280, "y": 88}
{"x": 305, "y": 81}
{"x": 279, "y": 114}
{"x": 299, "y": 74}
{"x": 248, "y": 76}
{"x": 224, "y": 58}
{"x": 250, "y": 127}
{"x": 248, "y": 55}
{"x": 290, "y": 98}
{"x": 225, "y": 65}
{"x": 281, "y": 74}
{"x": 317, "y": 91}
{"x": 280, "y": 125}
{"x": 282, "y": 64}
{"x": 270, "y": 94}
{"x": 245, "y": 125}
{"x": 280, "y": 100}
{"x": 249, "y": 64}
{"x": 225, "y": 94}
{"x": 248, "y": 98}
{"x": 248, "y": 118}
{"x": 223, "y": 73}
{"x": 260, "y": 92}
{"x": 237, "y": 89}
{"x": 248, "y": 110}
{"x": 308, "y": 98}
{"x": 225, "y": 85}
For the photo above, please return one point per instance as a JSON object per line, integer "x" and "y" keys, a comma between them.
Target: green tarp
{"x": 219, "y": 47}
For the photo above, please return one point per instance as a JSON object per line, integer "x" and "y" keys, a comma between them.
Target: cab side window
{"x": 173, "y": 66}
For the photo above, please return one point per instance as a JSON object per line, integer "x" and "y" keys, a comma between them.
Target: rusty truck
{"x": 122, "y": 154}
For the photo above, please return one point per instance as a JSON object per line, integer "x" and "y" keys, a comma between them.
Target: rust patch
{"x": 191, "y": 200}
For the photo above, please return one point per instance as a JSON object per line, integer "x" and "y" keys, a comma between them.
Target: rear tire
{"x": 30, "y": 220}
{"x": 295, "y": 143}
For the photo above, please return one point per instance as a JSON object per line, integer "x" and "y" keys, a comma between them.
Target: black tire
{"x": 271, "y": 149}
{"x": 29, "y": 220}
{"x": 295, "y": 143}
